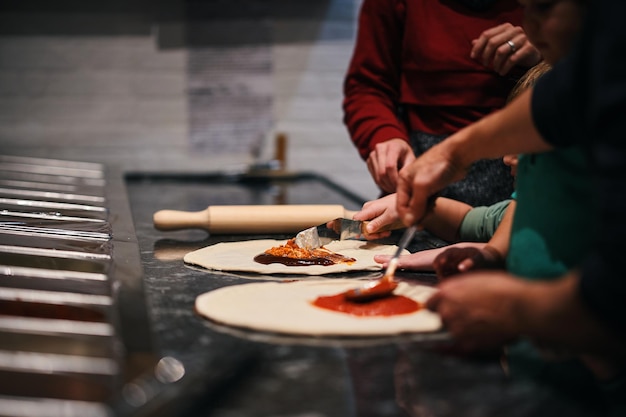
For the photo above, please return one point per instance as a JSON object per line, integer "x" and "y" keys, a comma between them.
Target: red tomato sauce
{"x": 290, "y": 254}
{"x": 386, "y": 306}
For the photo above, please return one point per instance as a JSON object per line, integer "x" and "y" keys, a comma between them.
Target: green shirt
{"x": 552, "y": 226}
{"x": 480, "y": 223}
{"x": 552, "y": 229}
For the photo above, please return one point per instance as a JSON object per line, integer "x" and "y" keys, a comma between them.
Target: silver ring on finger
{"x": 512, "y": 46}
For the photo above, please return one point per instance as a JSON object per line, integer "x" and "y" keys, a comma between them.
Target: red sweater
{"x": 416, "y": 54}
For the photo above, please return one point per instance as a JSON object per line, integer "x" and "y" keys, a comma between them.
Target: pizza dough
{"x": 239, "y": 256}
{"x": 285, "y": 307}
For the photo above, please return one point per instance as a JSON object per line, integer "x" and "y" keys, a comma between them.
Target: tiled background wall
{"x": 175, "y": 85}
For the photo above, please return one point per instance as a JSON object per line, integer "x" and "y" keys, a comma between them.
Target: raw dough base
{"x": 285, "y": 307}
{"x": 239, "y": 256}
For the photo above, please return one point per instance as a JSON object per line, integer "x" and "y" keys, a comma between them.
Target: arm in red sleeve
{"x": 372, "y": 83}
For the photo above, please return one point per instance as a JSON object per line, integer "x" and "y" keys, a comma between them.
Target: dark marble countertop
{"x": 237, "y": 372}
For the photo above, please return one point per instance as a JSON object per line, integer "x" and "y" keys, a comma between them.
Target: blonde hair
{"x": 529, "y": 79}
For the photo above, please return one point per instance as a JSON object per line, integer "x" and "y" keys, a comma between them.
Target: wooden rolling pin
{"x": 250, "y": 219}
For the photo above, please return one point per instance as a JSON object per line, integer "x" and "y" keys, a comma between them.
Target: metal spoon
{"x": 384, "y": 286}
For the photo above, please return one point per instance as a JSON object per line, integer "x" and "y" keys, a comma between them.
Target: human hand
{"x": 480, "y": 310}
{"x": 380, "y": 212}
{"x": 455, "y": 260}
{"x": 493, "y": 49}
{"x": 422, "y": 260}
{"x": 418, "y": 261}
{"x": 423, "y": 178}
{"x": 386, "y": 160}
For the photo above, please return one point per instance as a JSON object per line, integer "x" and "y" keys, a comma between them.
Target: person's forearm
{"x": 553, "y": 315}
{"x": 501, "y": 238}
{"x": 445, "y": 217}
{"x": 507, "y": 131}
{"x": 372, "y": 80}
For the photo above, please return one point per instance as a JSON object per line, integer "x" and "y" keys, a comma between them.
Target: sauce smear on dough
{"x": 386, "y": 306}
{"x": 290, "y": 254}
{"x": 267, "y": 259}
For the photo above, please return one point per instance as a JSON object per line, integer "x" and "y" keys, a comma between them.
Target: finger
{"x": 379, "y": 178}
{"x": 382, "y": 173}
{"x": 419, "y": 198}
{"x": 382, "y": 258}
{"x": 503, "y": 53}
{"x": 508, "y": 57}
{"x": 490, "y": 51}
{"x": 388, "y": 187}
{"x": 508, "y": 64}
{"x": 390, "y": 179}
{"x": 496, "y": 38}
{"x": 407, "y": 160}
{"x": 417, "y": 204}
{"x": 375, "y": 161}
{"x": 362, "y": 215}
{"x": 375, "y": 224}
{"x": 374, "y": 236}
{"x": 465, "y": 265}
{"x": 368, "y": 206}
{"x": 440, "y": 260}
{"x": 479, "y": 44}
{"x": 497, "y": 51}
{"x": 391, "y": 165}
{"x": 368, "y": 212}
{"x": 527, "y": 55}
{"x": 413, "y": 194}
{"x": 396, "y": 165}
{"x": 407, "y": 262}
{"x": 432, "y": 303}
{"x": 403, "y": 195}
{"x": 477, "y": 48}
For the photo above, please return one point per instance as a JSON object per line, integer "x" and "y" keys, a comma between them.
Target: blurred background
{"x": 180, "y": 86}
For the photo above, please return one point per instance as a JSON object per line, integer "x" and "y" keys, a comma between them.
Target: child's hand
{"x": 423, "y": 260}
{"x": 418, "y": 261}
{"x": 379, "y": 213}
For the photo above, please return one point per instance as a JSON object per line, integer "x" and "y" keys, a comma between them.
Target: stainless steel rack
{"x": 73, "y": 323}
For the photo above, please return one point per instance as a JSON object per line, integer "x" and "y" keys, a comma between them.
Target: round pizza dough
{"x": 239, "y": 257}
{"x": 285, "y": 307}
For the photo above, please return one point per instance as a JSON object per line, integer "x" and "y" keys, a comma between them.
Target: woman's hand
{"x": 386, "y": 160}
{"x": 503, "y": 47}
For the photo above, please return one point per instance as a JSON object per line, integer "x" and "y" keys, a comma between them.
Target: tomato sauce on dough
{"x": 290, "y": 254}
{"x": 385, "y": 306}
{"x": 267, "y": 259}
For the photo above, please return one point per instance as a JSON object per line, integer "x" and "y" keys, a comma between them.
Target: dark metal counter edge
{"x": 133, "y": 320}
